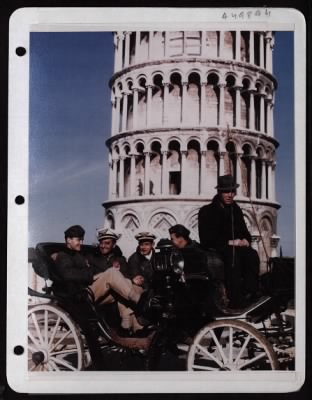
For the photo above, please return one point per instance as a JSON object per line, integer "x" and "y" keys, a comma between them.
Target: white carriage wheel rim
{"x": 241, "y": 325}
{"x": 42, "y": 339}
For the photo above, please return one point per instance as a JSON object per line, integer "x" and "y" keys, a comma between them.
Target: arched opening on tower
{"x": 258, "y": 115}
{"x": 230, "y": 158}
{"x": 174, "y": 167}
{"x": 127, "y": 169}
{"x": 212, "y": 167}
{"x": 257, "y": 48}
{"x": 229, "y": 101}
{"x": 259, "y": 173}
{"x": 175, "y": 100}
{"x": 229, "y": 45}
{"x": 266, "y": 229}
{"x": 191, "y": 176}
{"x": 132, "y": 47}
{"x": 244, "y": 46}
{"x": 155, "y": 169}
{"x": 192, "y": 100}
{"x": 212, "y": 99}
{"x": 157, "y": 101}
{"x": 246, "y": 170}
{"x": 245, "y": 104}
{"x": 139, "y": 169}
{"x": 141, "y": 115}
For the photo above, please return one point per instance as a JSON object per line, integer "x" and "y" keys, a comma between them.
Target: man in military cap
{"x": 222, "y": 227}
{"x": 139, "y": 268}
{"x": 108, "y": 253}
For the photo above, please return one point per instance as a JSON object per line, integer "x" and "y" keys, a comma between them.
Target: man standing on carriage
{"x": 222, "y": 227}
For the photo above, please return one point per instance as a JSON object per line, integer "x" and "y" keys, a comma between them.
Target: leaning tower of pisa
{"x": 188, "y": 106}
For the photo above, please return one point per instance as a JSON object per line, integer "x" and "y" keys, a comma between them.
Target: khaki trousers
{"x": 113, "y": 279}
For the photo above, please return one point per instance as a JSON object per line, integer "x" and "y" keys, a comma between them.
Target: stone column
{"x": 184, "y": 94}
{"x": 114, "y": 180}
{"x": 221, "y": 44}
{"x": 120, "y": 38}
{"x": 110, "y": 177}
{"x": 124, "y": 112}
{"x": 268, "y": 52}
{"x": 252, "y": 177}
{"x": 270, "y": 195}
{"x": 203, "y": 105}
{"x": 165, "y": 104}
{"x": 202, "y": 172}
{"x": 221, "y": 104}
{"x": 137, "y": 46}
{"x": 113, "y": 130}
{"x": 251, "y": 47}
{"x": 237, "y": 45}
{"x": 135, "y": 107}
{"x": 132, "y": 176}
{"x": 263, "y": 180}
{"x": 238, "y": 106}
{"x": 147, "y": 174}
{"x": 262, "y": 116}
{"x": 274, "y": 243}
{"x": 251, "y": 111}
{"x": 127, "y": 48}
{"x": 183, "y": 175}
{"x": 273, "y": 180}
{"x": 117, "y": 127}
{"x": 164, "y": 174}
{"x": 271, "y": 119}
{"x": 239, "y": 174}
{"x": 203, "y": 43}
{"x": 261, "y": 49}
{"x": 221, "y": 165}
{"x": 149, "y": 105}
{"x": 122, "y": 176}
{"x": 115, "y": 51}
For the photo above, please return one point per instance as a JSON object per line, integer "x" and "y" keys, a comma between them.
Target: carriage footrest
{"x": 261, "y": 311}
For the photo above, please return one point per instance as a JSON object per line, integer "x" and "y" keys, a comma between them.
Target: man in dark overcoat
{"x": 222, "y": 227}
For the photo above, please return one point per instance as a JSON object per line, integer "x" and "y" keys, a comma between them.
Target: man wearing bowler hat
{"x": 222, "y": 227}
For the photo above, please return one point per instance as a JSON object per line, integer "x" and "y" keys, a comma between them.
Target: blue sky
{"x": 70, "y": 119}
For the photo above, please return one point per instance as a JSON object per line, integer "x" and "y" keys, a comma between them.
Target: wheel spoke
{"x": 63, "y": 363}
{"x": 230, "y": 344}
{"x": 60, "y": 340}
{"x": 34, "y": 318}
{"x": 242, "y": 349}
{"x": 31, "y": 348}
{"x": 258, "y": 357}
{"x": 209, "y": 355}
{"x": 218, "y": 346}
{"x": 46, "y": 328}
{"x": 57, "y": 353}
{"x": 54, "y": 332}
{"x": 204, "y": 368}
{"x": 53, "y": 365}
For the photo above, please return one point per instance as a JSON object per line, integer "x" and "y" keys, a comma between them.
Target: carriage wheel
{"x": 54, "y": 340}
{"x": 230, "y": 345}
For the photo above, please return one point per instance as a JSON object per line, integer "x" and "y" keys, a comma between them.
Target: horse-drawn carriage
{"x": 192, "y": 325}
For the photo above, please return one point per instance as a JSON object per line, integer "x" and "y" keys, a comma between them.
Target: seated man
{"x": 139, "y": 268}
{"x": 76, "y": 273}
{"x": 222, "y": 227}
{"x": 108, "y": 253}
{"x": 196, "y": 260}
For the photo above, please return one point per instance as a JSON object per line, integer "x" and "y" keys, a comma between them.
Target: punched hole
{"x": 20, "y": 51}
{"x": 18, "y": 350}
{"x": 19, "y": 200}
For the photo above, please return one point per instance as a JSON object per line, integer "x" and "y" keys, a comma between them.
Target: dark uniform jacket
{"x": 72, "y": 272}
{"x": 101, "y": 263}
{"x": 199, "y": 261}
{"x": 138, "y": 264}
{"x": 217, "y": 225}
